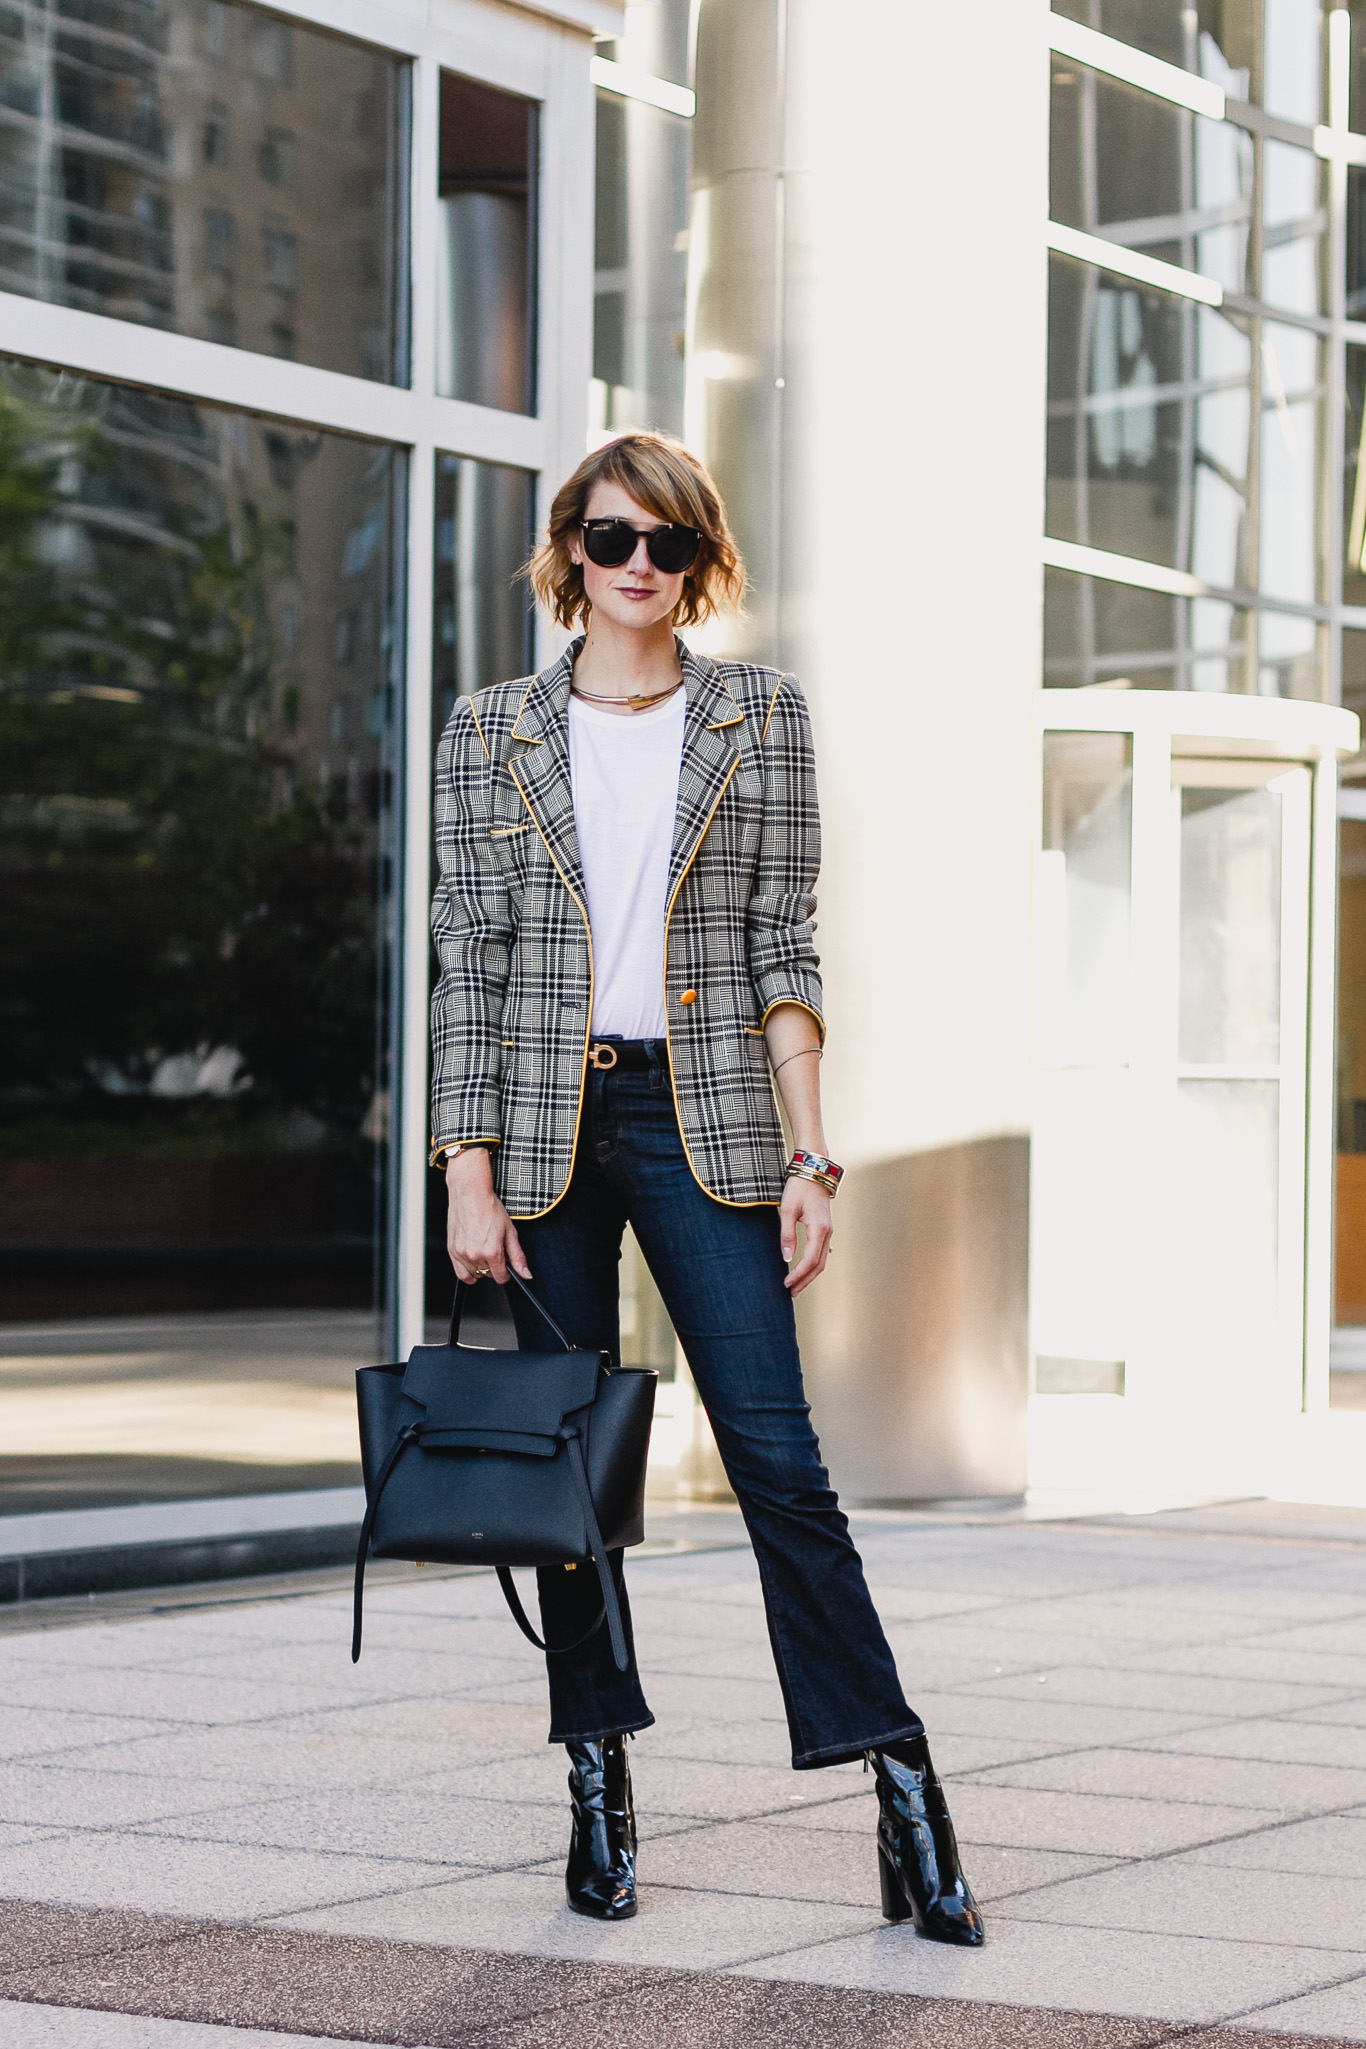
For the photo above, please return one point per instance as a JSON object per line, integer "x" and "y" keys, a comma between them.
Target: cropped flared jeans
{"x": 720, "y": 1271}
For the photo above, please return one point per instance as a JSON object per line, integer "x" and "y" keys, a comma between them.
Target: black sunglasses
{"x": 610, "y": 542}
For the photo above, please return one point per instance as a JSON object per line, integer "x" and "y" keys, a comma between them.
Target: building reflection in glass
{"x": 644, "y": 162}
{"x": 199, "y": 166}
{"x": 198, "y": 720}
{"x": 486, "y": 247}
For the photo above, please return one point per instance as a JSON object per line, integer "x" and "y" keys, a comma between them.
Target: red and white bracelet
{"x": 814, "y": 1167}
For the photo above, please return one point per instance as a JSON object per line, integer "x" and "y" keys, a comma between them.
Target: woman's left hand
{"x": 805, "y": 1203}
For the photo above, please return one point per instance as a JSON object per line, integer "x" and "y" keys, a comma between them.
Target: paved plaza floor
{"x": 214, "y": 1830}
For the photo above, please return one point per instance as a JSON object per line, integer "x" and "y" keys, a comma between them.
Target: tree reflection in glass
{"x": 197, "y": 687}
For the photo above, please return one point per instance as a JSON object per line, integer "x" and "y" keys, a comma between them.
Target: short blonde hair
{"x": 669, "y": 481}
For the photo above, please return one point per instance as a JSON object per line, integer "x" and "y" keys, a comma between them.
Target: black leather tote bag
{"x": 477, "y": 1457}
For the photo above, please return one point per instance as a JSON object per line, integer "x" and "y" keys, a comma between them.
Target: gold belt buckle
{"x": 602, "y": 1057}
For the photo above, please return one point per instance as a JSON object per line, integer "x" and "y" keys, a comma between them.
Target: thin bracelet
{"x": 799, "y": 1056}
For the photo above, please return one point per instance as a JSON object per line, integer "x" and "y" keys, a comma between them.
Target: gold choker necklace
{"x": 631, "y": 703}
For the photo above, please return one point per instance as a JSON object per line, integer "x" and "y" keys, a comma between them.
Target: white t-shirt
{"x": 624, "y": 770}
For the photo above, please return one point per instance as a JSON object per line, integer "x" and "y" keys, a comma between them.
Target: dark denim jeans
{"x": 720, "y": 1271}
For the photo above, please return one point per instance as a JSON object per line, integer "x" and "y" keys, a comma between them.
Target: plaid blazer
{"x": 512, "y": 1008}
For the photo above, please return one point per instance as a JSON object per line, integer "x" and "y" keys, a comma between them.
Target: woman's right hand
{"x": 481, "y": 1237}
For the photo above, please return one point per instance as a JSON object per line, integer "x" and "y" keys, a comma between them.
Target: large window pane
{"x": 1292, "y": 393}
{"x": 1101, "y": 632}
{"x": 1230, "y": 1004}
{"x": 486, "y": 267}
{"x": 640, "y": 267}
{"x": 482, "y": 622}
{"x": 1354, "y": 481}
{"x": 1294, "y": 228}
{"x": 484, "y": 512}
{"x": 199, "y": 166}
{"x": 1150, "y": 175}
{"x": 1148, "y": 424}
{"x": 1084, "y": 899}
{"x": 1217, "y": 38}
{"x": 198, "y": 745}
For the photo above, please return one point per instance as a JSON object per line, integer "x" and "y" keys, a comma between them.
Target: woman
{"x": 628, "y": 844}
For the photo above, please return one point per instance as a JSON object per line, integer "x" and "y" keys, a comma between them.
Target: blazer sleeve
{"x": 472, "y": 931}
{"x": 783, "y": 963}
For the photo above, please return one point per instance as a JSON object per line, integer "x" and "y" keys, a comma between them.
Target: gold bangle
{"x": 799, "y": 1056}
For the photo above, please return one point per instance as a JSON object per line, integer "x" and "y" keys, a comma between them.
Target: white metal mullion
{"x": 412, "y": 1111}
{"x": 1292, "y": 1095}
{"x": 1321, "y": 1085}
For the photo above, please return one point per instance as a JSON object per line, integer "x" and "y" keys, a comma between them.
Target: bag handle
{"x": 462, "y": 1289}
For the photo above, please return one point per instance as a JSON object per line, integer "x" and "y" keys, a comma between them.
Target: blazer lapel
{"x": 710, "y": 753}
{"x": 541, "y": 767}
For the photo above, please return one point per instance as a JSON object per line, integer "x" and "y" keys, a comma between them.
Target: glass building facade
{"x": 246, "y": 565}
{"x": 1206, "y": 469}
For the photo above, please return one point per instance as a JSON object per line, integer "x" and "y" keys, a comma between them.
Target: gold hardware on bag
{"x": 419, "y": 1563}
{"x": 602, "y": 1057}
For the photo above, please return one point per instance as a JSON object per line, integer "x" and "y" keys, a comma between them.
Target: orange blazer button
{"x": 688, "y": 996}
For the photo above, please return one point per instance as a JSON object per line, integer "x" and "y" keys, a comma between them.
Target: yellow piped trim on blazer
{"x": 479, "y": 729}
{"x": 529, "y": 1216}
{"x": 778, "y": 1003}
{"x": 763, "y": 1201}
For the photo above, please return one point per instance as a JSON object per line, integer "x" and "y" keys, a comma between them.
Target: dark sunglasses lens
{"x": 609, "y": 542}
{"x": 674, "y": 548}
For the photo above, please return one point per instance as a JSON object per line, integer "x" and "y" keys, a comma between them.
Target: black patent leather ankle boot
{"x": 600, "y": 1878}
{"x": 916, "y": 1851}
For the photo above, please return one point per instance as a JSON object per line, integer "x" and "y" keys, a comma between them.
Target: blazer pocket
{"x": 505, "y": 832}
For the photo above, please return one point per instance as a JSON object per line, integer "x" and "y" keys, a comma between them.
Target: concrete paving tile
{"x": 1335, "y": 1744}
{"x": 1174, "y": 1897}
{"x": 65, "y": 2027}
{"x": 13, "y": 1833}
{"x": 1045, "y": 1720}
{"x": 790, "y": 1859}
{"x": 422, "y": 1824}
{"x": 1089, "y": 1822}
{"x": 758, "y": 1742}
{"x": 1220, "y": 1781}
{"x": 1350, "y": 1712}
{"x": 1264, "y": 1662}
{"x": 1086, "y": 1970}
{"x": 761, "y": 1859}
{"x": 525, "y": 1912}
{"x": 253, "y": 1759}
{"x": 1337, "y": 2012}
{"x": 1344, "y": 1634}
{"x": 672, "y": 1694}
{"x": 1169, "y": 1692}
{"x": 1329, "y": 1847}
{"x": 151, "y": 1875}
{"x": 155, "y": 1696}
{"x": 53, "y": 1796}
{"x": 38, "y": 1732}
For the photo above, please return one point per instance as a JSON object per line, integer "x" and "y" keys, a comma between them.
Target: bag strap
{"x": 519, "y": 1616}
{"x": 574, "y": 1447}
{"x": 405, "y": 1437}
{"x": 458, "y": 1306}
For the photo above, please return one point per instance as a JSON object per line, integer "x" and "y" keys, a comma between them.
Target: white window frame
{"x": 544, "y": 52}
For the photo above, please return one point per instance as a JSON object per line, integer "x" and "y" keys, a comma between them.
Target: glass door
{"x": 1236, "y": 1163}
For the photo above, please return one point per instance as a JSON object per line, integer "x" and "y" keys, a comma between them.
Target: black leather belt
{"x": 631, "y": 1055}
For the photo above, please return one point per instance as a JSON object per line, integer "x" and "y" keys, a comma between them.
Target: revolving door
{"x": 1182, "y": 1151}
